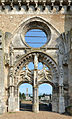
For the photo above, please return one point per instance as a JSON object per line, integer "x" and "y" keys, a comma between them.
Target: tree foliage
{"x": 22, "y": 96}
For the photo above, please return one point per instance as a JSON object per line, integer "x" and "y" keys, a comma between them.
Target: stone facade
{"x": 17, "y": 17}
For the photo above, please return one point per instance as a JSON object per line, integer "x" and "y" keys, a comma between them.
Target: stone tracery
{"x": 35, "y": 77}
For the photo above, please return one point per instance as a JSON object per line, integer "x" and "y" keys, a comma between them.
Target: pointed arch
{"x": 29, "y": 23}
{"x": 42, "y": 57}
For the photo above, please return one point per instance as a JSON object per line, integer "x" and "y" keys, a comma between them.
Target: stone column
{"x": 70, "y": 70}
{"x": 2, "y": 83}
{"x": 61, "y": 75}
{"x": 35, "y": 86}
{"x": 17, "y": 101}
{"x": 61, "y": 92}
{"x": 61, "y": 100}
{"x": 55, "y": 100}
{"x": 11, "y": 101}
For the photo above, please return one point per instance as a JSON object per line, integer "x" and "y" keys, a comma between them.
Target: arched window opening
{"x": 25, "y": 97}
{"x": 31, "y": 66}
{"x": 40, "y": 66}
{"x": 24, "y": 68}
{"x": 35, "y": 38}
{"x": 45, "y": 97}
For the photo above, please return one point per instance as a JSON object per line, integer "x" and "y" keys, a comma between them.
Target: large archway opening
{"x": 44, "y": 77}
{"x": 25, "y": 97}
{"x": 45, "y": 97}
{"x": 36, "y": 68}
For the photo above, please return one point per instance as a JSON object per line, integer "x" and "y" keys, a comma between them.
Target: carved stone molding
{"x": 11, "y": 49}
{"x": 58, "y": 4}
{"x": 27, "y": 76}
{"x": 50, "y": 2}
{"x": 65, "y": 59}
{"x": 61, "y": 48}
{"x": 6, "y": 59}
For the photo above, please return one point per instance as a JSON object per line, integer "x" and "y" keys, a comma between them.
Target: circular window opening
{"x": 36, "y": 38}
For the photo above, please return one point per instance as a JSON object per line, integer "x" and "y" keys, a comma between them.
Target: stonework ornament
{"x": 61, "y": 48}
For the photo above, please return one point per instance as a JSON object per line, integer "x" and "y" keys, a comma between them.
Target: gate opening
{"x": 25, "y": 97}
{"x": 45, "y": 97}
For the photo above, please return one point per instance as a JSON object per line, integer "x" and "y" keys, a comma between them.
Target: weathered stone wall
{"x": 10, "y": 22}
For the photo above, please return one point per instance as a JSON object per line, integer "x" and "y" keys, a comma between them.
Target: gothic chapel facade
{"x": 17, "y": 17}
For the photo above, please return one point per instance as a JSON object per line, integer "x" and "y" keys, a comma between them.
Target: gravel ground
{"x": 30, "y": 115}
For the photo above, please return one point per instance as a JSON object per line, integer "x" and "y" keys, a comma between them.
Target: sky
{"x": 43, "y": 88}
{"x": 31, "y": 66}
{"x": 35, "y": 38}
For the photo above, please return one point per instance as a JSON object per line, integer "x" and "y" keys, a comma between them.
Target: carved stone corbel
{"x": 11, "y": 5}
{"x": 52, "y": 4}
{"x": 60, "y": 7}
{"x": 19, "y": 5}
{"x": 36, "y": 5}
{"x": 69, "y": 4}
{"x": 27, "y": 8}
{"x": 44, "y": 5}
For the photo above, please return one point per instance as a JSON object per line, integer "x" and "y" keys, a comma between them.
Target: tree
{"x": 23, "y": 96}
{"x": 40, "y": 96}
{"x": 43, "y": 95}
{"x": 20, "y": 95}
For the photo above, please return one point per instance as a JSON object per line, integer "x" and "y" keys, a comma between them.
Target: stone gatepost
{"x": 35, "y": 87}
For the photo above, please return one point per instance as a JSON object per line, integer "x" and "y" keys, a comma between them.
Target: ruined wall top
{"x": 57, "y": 2}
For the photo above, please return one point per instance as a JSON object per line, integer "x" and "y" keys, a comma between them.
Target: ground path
{"x": 28, "y": 114}
{"x": 31, "y": 115}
